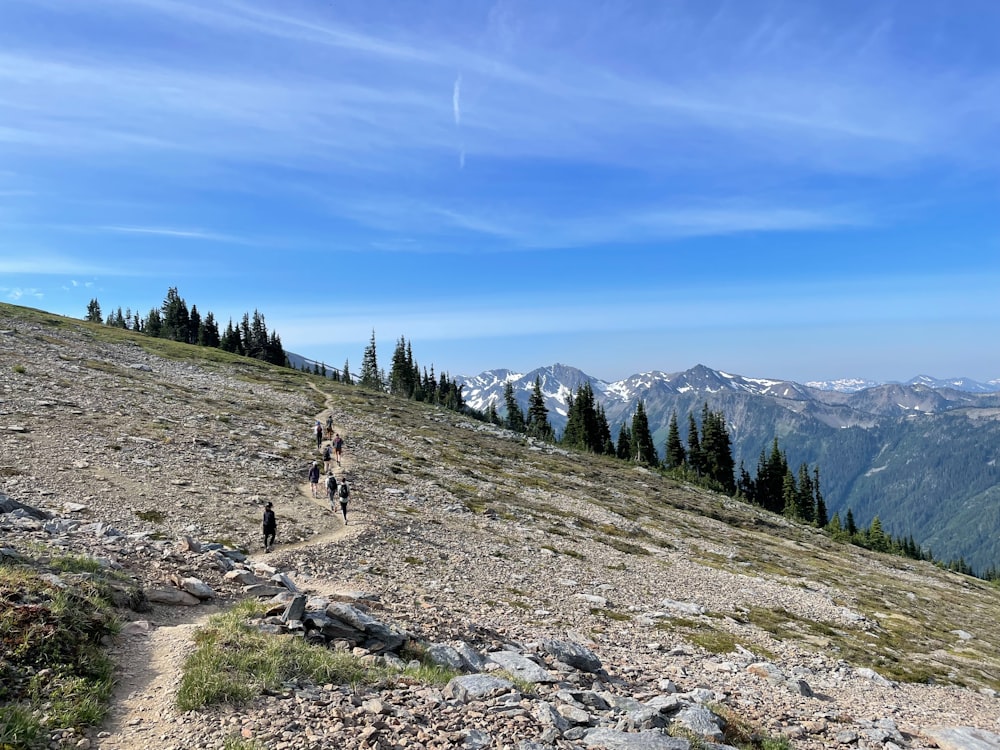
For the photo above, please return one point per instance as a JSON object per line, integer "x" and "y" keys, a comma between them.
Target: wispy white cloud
{"x": 456, "y": 105}
{"x": 18, "y": 294}
{"x": 173, "y": 233}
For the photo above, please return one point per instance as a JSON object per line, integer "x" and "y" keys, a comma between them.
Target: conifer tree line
{"x": 173, "y": 320}
{"x": 405, "y": 378}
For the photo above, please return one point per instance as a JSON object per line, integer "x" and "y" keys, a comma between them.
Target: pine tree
{"x": 642, "y": 440}
{"x": 607, "y": 444}
{"x": 675, "y": 454}
{"x": 694, "y": 457}
{"x": 208, "y": 332}
{"x": 175, "y": 317}
{"x": 624, "y": 449}
{"x": 538, "y": 414}
{"x": 194, "y": 325}
{"x": 154, "y": 323}
{"x": 370, "y": 376}
{"x": 821, "y": 519}
{"x": 849, "y": 526}
{"x": 716, "y": 450}
{"x": 401, "y": 373}
{"x": 789, "y": 496}
{"x": 805, "y": 503}
{"x": 515, "y": 417}
{"x": 582, "y": 431}
{"x": 94, "y": 311}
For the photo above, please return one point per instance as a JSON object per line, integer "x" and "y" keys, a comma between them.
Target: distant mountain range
{"x": 924, "y": 455}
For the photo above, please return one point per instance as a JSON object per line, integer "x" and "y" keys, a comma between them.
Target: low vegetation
{"x": 54, "y": 671}
{"x": 235, "y": 662}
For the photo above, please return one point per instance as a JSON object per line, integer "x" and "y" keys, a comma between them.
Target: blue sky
{"x": 775, "y": 189}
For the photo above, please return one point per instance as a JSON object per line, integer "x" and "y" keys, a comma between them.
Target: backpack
{"x": 326, "y": 453}
{"x": 343, "y": 491}
{"x": 331, "y": 483}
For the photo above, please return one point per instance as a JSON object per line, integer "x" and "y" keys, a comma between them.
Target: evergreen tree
{"x": 370, "y": 376}
{"x": 694, "y": 457}
{"x": 538, "y": 414}
{"x": 789, "y": 496}
{"x": 582, "y": 430}
{"x": 154, "y": 323}
{"x": 746, "y": 487}
{"x": 194, "y": 325}
{"x": 230, "y": 340}
{"x": 805, "y": 503}
{"x": 208, "y": 332}
{"x": 401, "y": 373}
{"x": 642, "y": 439}
{"x": 491, "y": 415}
{"x": 94, "y": 311}
{"x": 834, "y": 525}
{"x": 716, "y": 450}
{"x": 624, "y": 449}
{"x": 515, "y": 417}
{"x": 820, "y": 516}
{"x": 607, "y": 444}
{"x": 849, "y": 526}
{"x": 675, "y": 454}
{"x": 175, "y": 317}
{"x": 346, "y": 375}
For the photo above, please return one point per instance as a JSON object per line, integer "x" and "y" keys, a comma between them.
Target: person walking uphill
{"x": 314, "y": 478}
{"x": 338, "y": 447}
{"x": 318, "y": 429}
{"x": 344, "y": 493}
{"x": 270, "y": 526}
{"x": 331, "y": 490}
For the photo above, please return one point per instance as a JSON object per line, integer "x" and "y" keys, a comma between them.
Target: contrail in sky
{"x": 455, "y": 100}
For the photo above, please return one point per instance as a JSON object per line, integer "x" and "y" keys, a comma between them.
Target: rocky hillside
{"x": 463, "y": 534}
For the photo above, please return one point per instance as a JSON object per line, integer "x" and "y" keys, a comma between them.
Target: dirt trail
{"x": 149, "y": 653}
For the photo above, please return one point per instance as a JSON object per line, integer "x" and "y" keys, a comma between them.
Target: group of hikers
{"x": 336, "y": 492}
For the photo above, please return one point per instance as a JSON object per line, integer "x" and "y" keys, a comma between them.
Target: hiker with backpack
{"x": 318, "y": 429}
{"x": 344, "y": 493}
{"x": 270, "y": 526}
{"x": 338, "y": 447}
{"x": 327, "y": 457}
{"x": 314, "y": 478}
{"x": 329, "y": 425}
{"x": 331, "y": 490}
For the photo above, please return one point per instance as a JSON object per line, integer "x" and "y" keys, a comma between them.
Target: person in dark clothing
{"x": 338, "y": 447}
{"x": 331, "y": 490}
{"x": 318, "y": 429}
{"x": 314, "y": 478}
{"x": 270, "y": 527}
{"x": 344, "y": 493}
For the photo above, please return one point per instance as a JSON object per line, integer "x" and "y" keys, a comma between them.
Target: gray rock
{"x": 799, "y": 687}
{"x": 295, "y": 610}
{"x": 577, "y": 656}
{"x": 476, "y": 687}
{"x": 520, "y": 666}
{"x": 172, "y": 596}
{"x": 445, "y": 655}
{"x": 700, "y": 721}
{"x": 649, "y": 739}
{"x": 546, "y": 715}
{"x": 197, "y": 587}
{"x": 473, "y": 660}
{"x": 963, "y": 738}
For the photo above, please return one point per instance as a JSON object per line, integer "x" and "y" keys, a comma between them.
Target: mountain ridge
{"x": 880, "y": 448}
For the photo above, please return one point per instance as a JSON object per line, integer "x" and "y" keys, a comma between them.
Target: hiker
{"x": 314, "y": 478}
{"x": 270, "y": 526}
{"x": 319, "y": 434}
{"x": 338, "y": 447}
{"x": 329, "y": 425}
{"x": 327, "y": 457}
{"x": 344, "y": 494}
{"x": 331, "y": 489}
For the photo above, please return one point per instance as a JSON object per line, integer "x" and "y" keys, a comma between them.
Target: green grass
{"x": 54, "y": 672}
{"x": 235, "y": 662}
